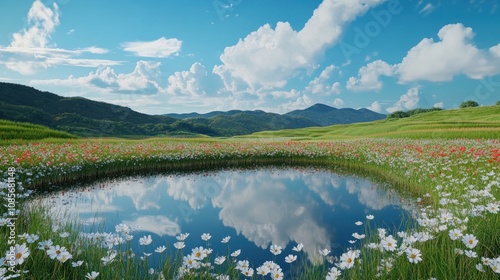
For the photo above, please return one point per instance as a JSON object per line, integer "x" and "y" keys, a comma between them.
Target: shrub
{"x": 469, "y": 103}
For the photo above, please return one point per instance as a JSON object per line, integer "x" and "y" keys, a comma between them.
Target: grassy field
{"x": 452, "y": 185}
{"x": 26, "y": 131}
{"x": 478, "y": 122}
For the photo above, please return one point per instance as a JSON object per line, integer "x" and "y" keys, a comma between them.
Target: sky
{"x": 163, "y": 56}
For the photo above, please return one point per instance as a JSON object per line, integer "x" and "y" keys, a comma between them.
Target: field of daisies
{"x": 452, "y": 187}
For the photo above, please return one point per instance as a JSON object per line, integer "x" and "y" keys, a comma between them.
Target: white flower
{"x": 145, "y": 240}
{"x": 414, "y": 255}
{"x": 190, "y": 261}
{"x": 64, "y": 256}
{"x": 480, "y": 267}
{"x": 45, "y": 245}
{"x": 242, "y": 265}
{"x": 275, "y": 249}
{"x": 77, "y": 264}
{"x": 470, "y": 241}
{"x": 92, "y": 275}
{"x": 298, "y": 248}
{"x": 182, "y": 236}
{"x": 220, "y": 260}
{"x": 389, "y": 243}
{"x": 64, "y": 234}
{"x": 32, "y": 238}
{"x": 21, "y": 252}
{"x": 358, "y": 223}
{"x": 290, "y": 258}
{"x": 122, "y": 228}
{"x": 347, "y": 259}
{"x": 370, "y": 217}
{"x": 198, "y": 253}
{"x": 277, "y": 273}
{"x": 206, "y": 236}
{"x": 358, "y": 236}
{"x": 263, "y": 270}
{"x": 248, "y": 272}
{"x": 324, "y": 252}
{"x": 455, "y": 234}
{"x": 493, "y": 207}
{"x": 179, "y": 245}
{"x": 236, "y": 253}
{"x": 55, "y": 251}
{"x": 470, "y": 254}
{"x": 333, "y": 274}
{"x": 160, "y": 249}
{"x": 226, "y": 239}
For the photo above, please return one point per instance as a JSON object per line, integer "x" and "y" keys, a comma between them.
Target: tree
{"x": 498, "y": 102}
{"x": 469, "y": 103}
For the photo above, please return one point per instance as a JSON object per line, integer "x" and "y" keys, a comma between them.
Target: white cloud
{"x": 452, "y": 55}
{"x": 369, "y": 76}
{"x": 194, "y": 82}
{"x": 407, "y": 101}
{"x": 439, "y": 105}
{"x": 30, "y": 52}
{"x": 375, "y": 107}
{"x": 145, "y": 79}
{"x": 338, "y": 102}
{"x": 321, "y": 84}
{"x": 427, "y": 9}
{"x": 160, "y": 48}
{"x": 301, "y": 102}
{"x": 270, "y": 57}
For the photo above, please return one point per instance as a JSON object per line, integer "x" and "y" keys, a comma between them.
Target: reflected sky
{"x": 255, "y": 207}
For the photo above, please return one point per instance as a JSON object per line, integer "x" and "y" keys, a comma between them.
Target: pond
{"x": 256, "y": 208}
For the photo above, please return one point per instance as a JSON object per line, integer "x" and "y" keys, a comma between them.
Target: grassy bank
{"x": 453, "y": 185}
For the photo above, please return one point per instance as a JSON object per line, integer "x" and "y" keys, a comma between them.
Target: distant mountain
{"x": 316, "y": 115}
{"x": 86, "y": 117}
{"x": 325, "y": 115}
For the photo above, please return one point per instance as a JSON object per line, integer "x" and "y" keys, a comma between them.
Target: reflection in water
{"x": 257, "y": 207}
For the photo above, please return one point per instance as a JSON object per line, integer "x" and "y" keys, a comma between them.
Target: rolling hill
{"x": 478, "y": 122}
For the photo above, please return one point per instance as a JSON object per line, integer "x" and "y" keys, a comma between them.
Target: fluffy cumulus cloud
{"x": 452, "y": 55}
{"x": 144, "y": 79}
{"x": 269, "y": 57}
{"x": 338, "y": 102}
{"x": 322, "y": 84}
{"x": 375, "y": 107}
{"x": 407, "y": 101}
{"x": 160, "y": 48}
{"x": 369, "y": 76}
{"x": 194, "y": 82}
{"x": 30, "y": 50}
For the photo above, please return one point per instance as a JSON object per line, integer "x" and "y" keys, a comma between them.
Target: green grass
{"x": 479, "y": 122}
{"x": 26, "y": 131}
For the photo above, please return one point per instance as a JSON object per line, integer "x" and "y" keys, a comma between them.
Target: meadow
{"x": 451, "y": 183}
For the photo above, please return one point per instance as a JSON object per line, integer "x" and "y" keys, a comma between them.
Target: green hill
{"x": 478, "y": 122}
{"x": 26, "y": 131}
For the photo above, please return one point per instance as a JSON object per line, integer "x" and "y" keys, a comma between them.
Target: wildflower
{"x": 248, "y": 272}
{"x": 206, "y": 236}
{"x": 32, "y": 238}
{"x": 226, "y": 239}
{"x": 199, "y": 253}
{"x": 190, "y": 261}
{"x": 470, "y": 254}
{"x": 236, "y": 253}
{"x": 480, "y": 267}
{"x": 77, "y": 264}
{"x": 277, "y": 274}
{"x": 298, "y": 248}
{"x": 414, "y": 255}
{"x": 270, "y": 265}
{"x": 151, "y": 271}
{"x": 146, "y": 240}
{"x": 333, "y": 274}
{"x": 263, "y": 270}
{"x": 64, "y": 256}
{"x": 275, "y": 249}
{"x": 241, "y": 265}
{"x": 160, "y": 249}
{"x": 492, "y": 207}
{"x": 455, "y": 234}
{"x": 220, "y": 260}
{"x": 290, "y": 258}
{"x": 122, "y": 228}
{"x": 55, "y": 251}
{"x": 459, "y": 251}
{"x": 182, "y": 236}
{"x": 470, "y": 241}
{"x": 324, "y": 252}
{"x": 389, "y": 243}
{"x": 21, "y": 252}
{"x": 109, "y": 258}
{"x": 358, "y": 223}
{"x": 358, "y": 236}
{"x": 370, "y": 217}
{"x": 495, "y": 265}
{"x": 179, "y": 245}
{"x": 45, "y": 245}
{"x": 381, "y": 232}
{"x": 64, "y": 234}
{"x": 347, "y": 260}
{"x": 92, "y": 275}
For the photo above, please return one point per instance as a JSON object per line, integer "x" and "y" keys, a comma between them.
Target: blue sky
{"x": 163, "y": 56}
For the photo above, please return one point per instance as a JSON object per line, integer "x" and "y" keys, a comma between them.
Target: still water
{"x": 256, "y": 208}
